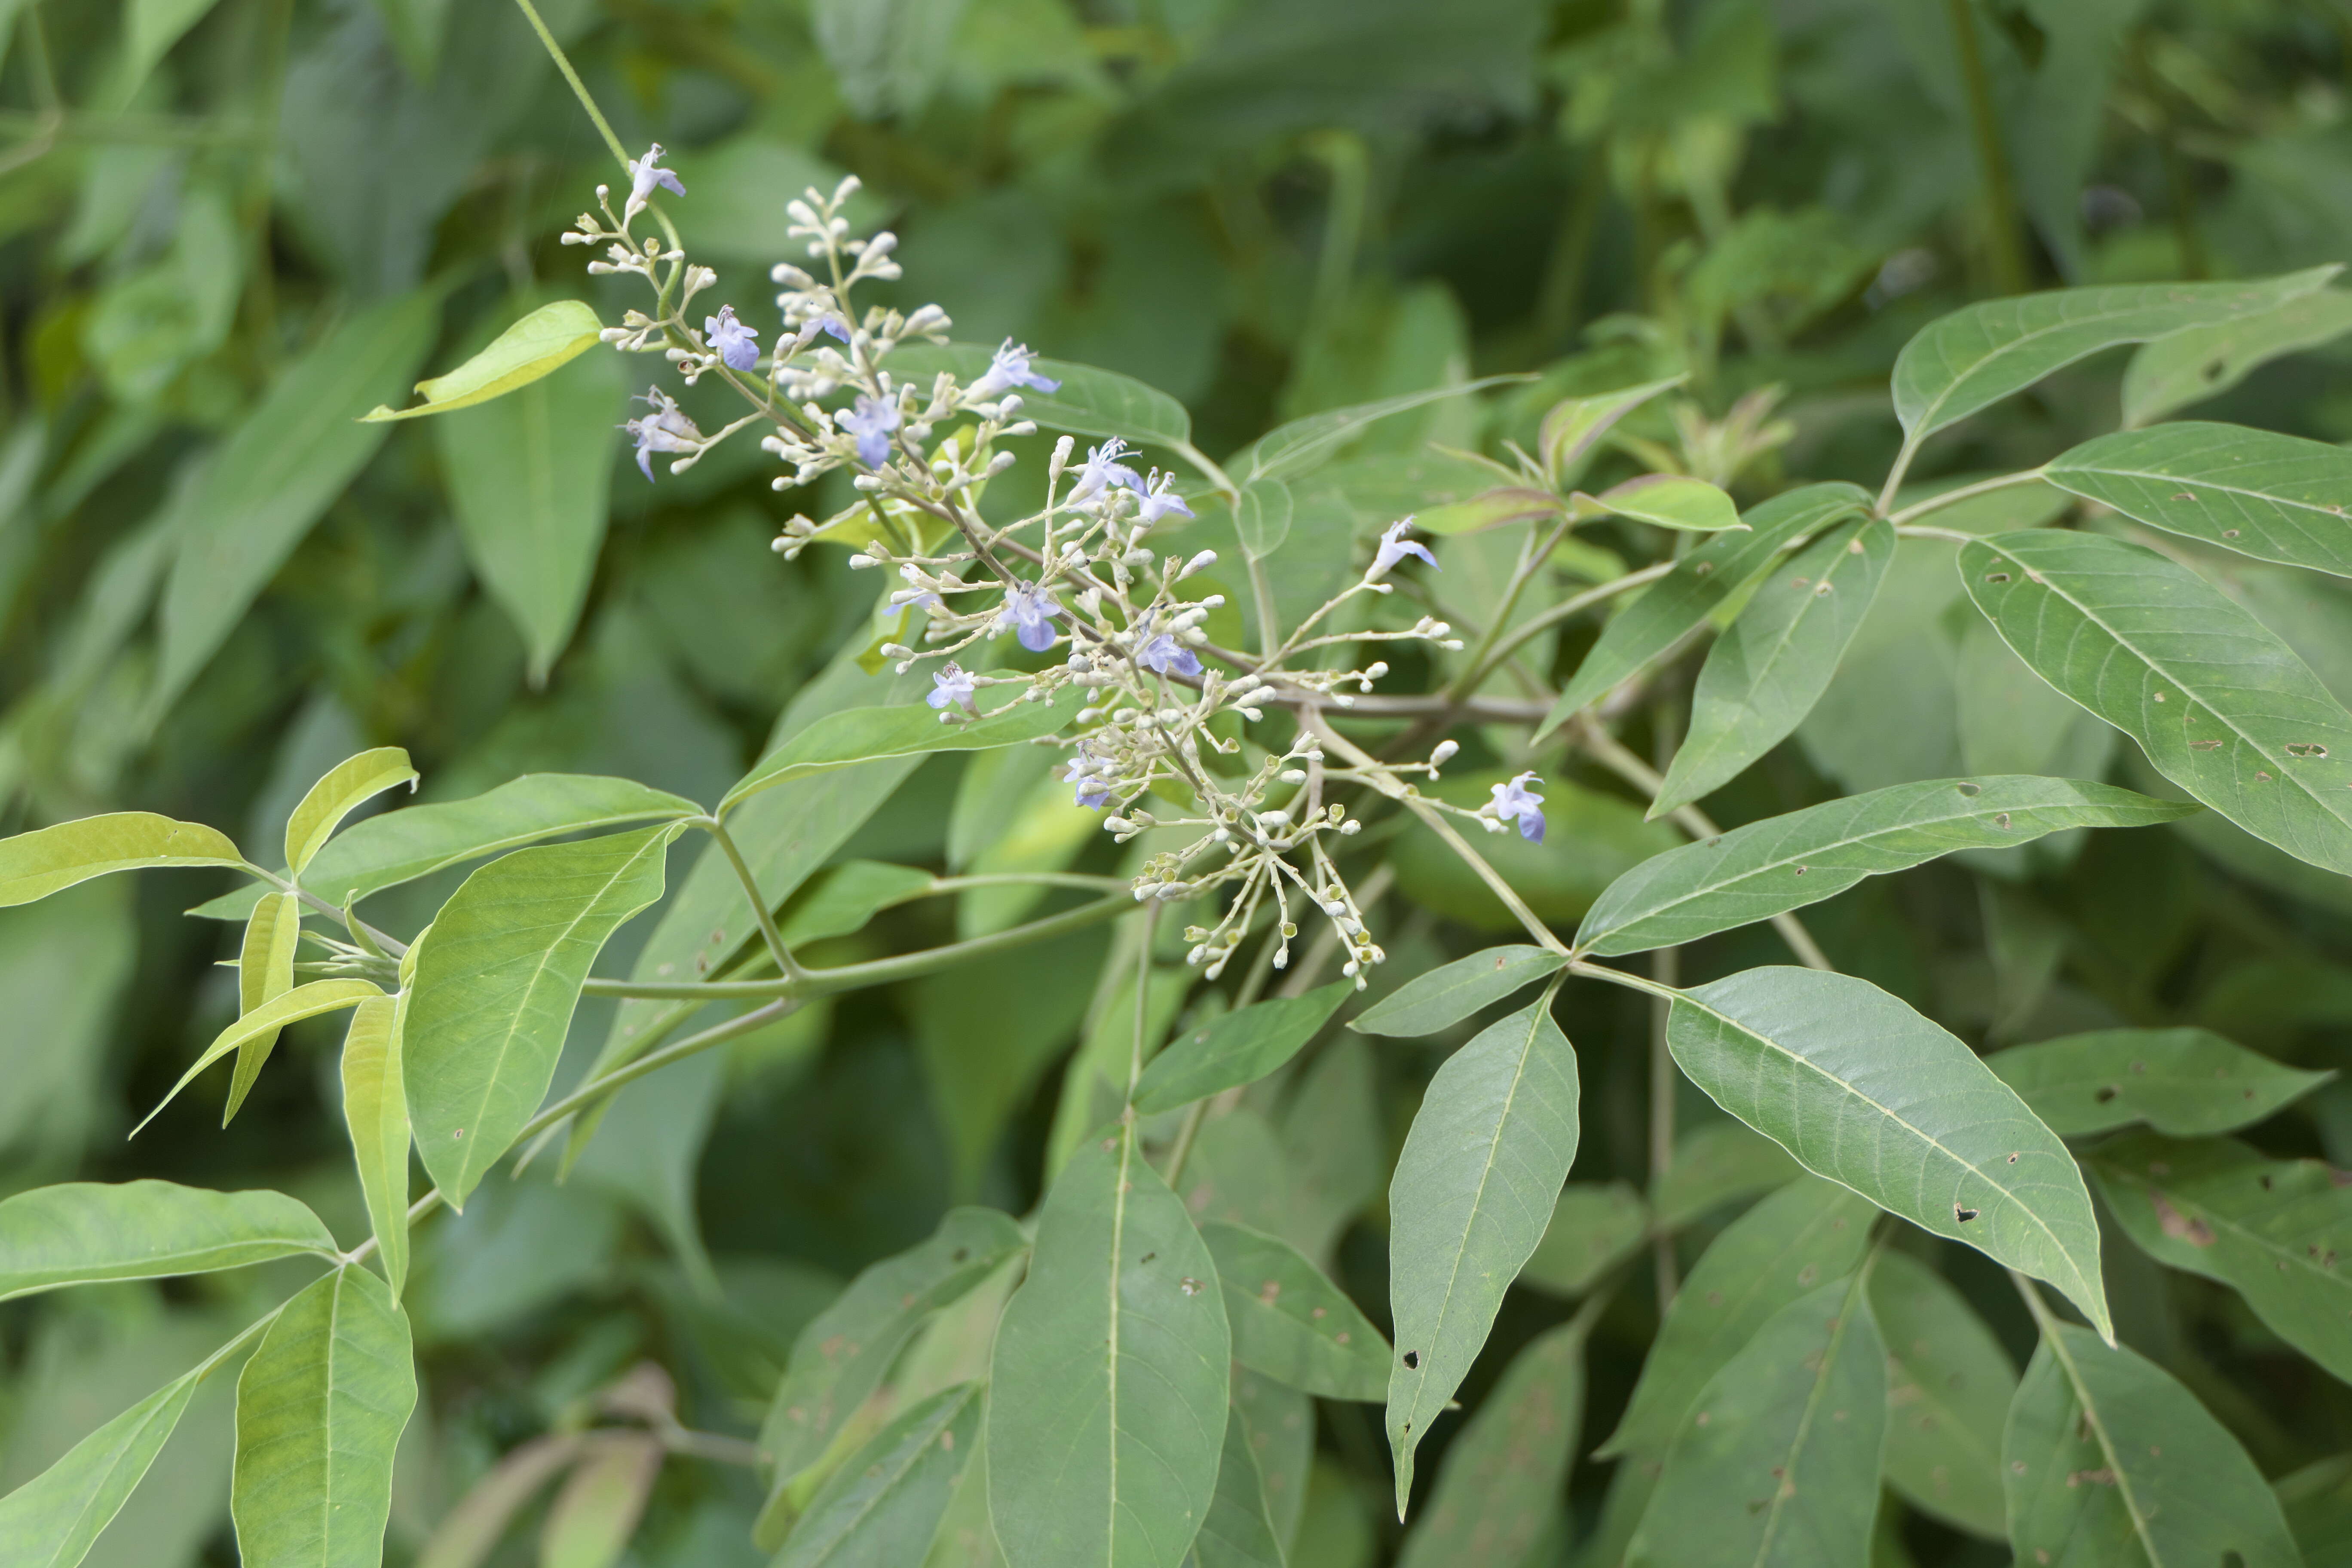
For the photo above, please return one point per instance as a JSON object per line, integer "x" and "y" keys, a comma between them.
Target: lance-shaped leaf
{"x": 840, "y": 1358}
{"x": 541, "y": 343}
{"x": 870, "y": 734}
{"x": 2272, "y": 497}
{"x": 2187, "y": 1082}
{"x": 2106, "y": 1459}
{"x": 302, "y": 1002}
{"x": 1783, "y": 863}
{"x": 1866, "y": 1091}
{"x": 1764, "y": 675}
{"x": 34, "y": 865}
{"x": 1595, "y": 1226}
{"x": 1948, "y": 1389}
{"x": 1278, "y": 1422}
{"x": 333, "y": 797}
{"x": 2216, "y": 699}
{"x": 375, "y": 1115}
{"x": 1106, "y": 1409}
{"x": 2279, "y": 1232}
{"x": 1779, "y": 1463}
{"x": 470, "y": 1531}
{"x": 1502, "y": 1476}
{"x": 1669, "y": 500}
{"x": 265, "y": 972}
{"x": 1445, "y": 996}
{"x": 81, "y": 1233}
{"x": 1090, "y": 402}
{"x": 590, "y": 1521}
{"x": 1701, "y": 582}
{"x": 1575, "y": 425}
{"x": 1262, "y": 517}
{"x": 1778, "y": 1252}
{"x": 1292, "y": 1323}
{"x": 2205, "y": 362}
{"x": 1977, "y": 356}
{"x": 1483, "y": 1164}
{"x": 881, "y": 1508}
{"x": 1236, "y": 1048}
{"x": 1289, "y": 450}
{"x": 1239, "y": 1532}
{"x": 496, "y": 985}
{"x": 319, "y": 1409}
{"x": 1715, "y": 1165}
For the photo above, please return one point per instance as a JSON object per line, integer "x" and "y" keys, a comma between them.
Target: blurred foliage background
{"x": 228, "y": 227}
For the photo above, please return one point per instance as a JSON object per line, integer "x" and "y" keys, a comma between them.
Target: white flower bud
{"x": 1443, "y": 753}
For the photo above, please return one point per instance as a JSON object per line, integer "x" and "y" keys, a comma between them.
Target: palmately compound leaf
{"x": 1978, "y": 356}
{"x": 881, "y": 1508}
{"x": 375, "y": 1115}
{"x": 1777, "y": 1464}
{"x": 2183, "y": 1081}
{"x": 1809, "y": 1231}
{"x": 2106, "y": 1459}
{"x": 1107, "y": 1406}
{"x": 34, "y": 865}
{"x": 335, "y": 796}
{"x": 1445, "y": 996}
{"x": 1949, "y": 1386}
{"x": 2218, "y": 702}
{"x": 1502, "y": 1476}
{"x": 1235, "y": 1048}
{"x": 1240, "y": 1531}
{"x": 1473, "y": 1189}
{"x": 2204, "y": 362}
{"x": 871, "y": 734}
{"x": 319, "y": 1409}
{"x": 2272, "y": 497}
{"x": 1866, "y": 1091}
{"x": 496, "y": 985}
{"x": 840, "y": 1357}
{"x": 2279, "y": 1232}
{"x": 1764, "y": 675}
{"x": 1782, "y": 863}
{"x": 1701, "y": 582}
{"x": 539, "y": 345}
{"x": 81, "y": 1233}
{"x": 1292, "y": 1323}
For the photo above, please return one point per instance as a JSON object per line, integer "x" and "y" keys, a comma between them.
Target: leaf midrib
{"x": 1786, "y": 1488}
{"x": 2057, "y": 473}
{"x": 1812, "y": 600}
{"x": 2200, "y": 1209}
{"x": 1927, "y": 425}
{"x": 2065, "y": 1358}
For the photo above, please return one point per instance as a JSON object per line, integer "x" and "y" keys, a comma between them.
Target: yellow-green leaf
{"x": 375, "y": 1111}
{"x": 34, "y": 865}
{"x": 333, "y": 797}
{"x": 541, "y": 343}
{"x": 302, "y": 1002}
{"x": 265, "y": 972}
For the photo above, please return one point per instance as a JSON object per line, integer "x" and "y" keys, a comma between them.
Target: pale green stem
{"x": 1962, "y": 492}
{"x": 1536, "y": 625}
{"x": 785, "y": 964}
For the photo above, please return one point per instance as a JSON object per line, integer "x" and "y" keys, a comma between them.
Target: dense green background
{"x": 1265, "y": 207}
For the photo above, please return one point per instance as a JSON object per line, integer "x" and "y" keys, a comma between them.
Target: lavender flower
{"x": 1011, "y": 368}
{"x": 1030, "y": 609}
{"x": 1104, "y": 469}
{"x": 664, "y": 430}
{"x": 737, "y": 345}
{"x": 951, "y": 684}
{"x": 1159, "y": 497}
{"x": 644, "y": 176}
{"x": 815, "y": 324}
{"x": 1395, "y": 547}
{"x": 1092, "y": 790}
{"x": 1515, "y": 800}
{"x": 1169, "y": 657}
{"x": 872, "y": 424}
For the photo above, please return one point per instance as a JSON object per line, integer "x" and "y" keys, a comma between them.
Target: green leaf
{"x": 34, "y": 865}
{"x": 2274, "y": 1230}
{"x": 541, "y": 343}
{"x": 2317, "y": 1501}
{"x": 1473, "y": 1189}
{"x": 320, "y": 1408}
{"x": 265, "y": 972}
{"x": 1766, "y": 672}
{"x": 496, "y": 985}
{"x": 1977, "y": 356}
{"x": 590, "y": 1521}
{"x": 530, "y": 481}
{"x": 840, "y": 899}
{"x": 1702, "y": 581}
{"x": 375, "y": 1115}
{"x": 1107, "y": 1412}
{"x": 1866, "y": 1091}
{"x": 1670, "y": 500}
{"x": 1299, "y": 447}
{"x": 83, "y": 1232}
{"x": 1808, "y": 1232}
{"x": 1262, "y": 517}
{"x": 2107, "y": 1460}
{"x": 2272, "y": 497}
{"x": 2221, "y": 705}
{"x": 333, "y": 798}
{"x": 1782, "y": 863}
{"x": 1503, "y": 1472}
{"x": 302, "y": 1002}
{"x": 2182, "y": 1081}
{"x": 1278, "y": 1424}
{"x": 471, "y": 1530}
{"x": 1445, "y": 996}
{"x": 841, "y": 1356}
{"x": 287, "y": 461}
{"x": 1292, "y": 1323}
{"x": 1236, "y": 1048}
{"x": 1779, "y": 1463}
{"x": 871, "y": 734}
{"x": 1595, "y": 1226}
{"x": 1239, "y": 1532}
{"x": 2204, "y": 362}
{"x": 1091, "y": 402}
{"x": 1717, "y": 1163}
{"x": 1948, "y": 1390}
{"x": 880, "y": 1508}
{"x": 1574, "y": 424}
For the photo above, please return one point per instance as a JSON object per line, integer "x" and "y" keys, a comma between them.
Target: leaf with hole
{"x": 2183, "y": 1081}
{"x": 1503, "y": 1470}
{"x": 1438, "y": 998}
{"x": 1235, "y": 1048}
{"x": 2191, "y": 366}
{"x": 1292, "y": 1323}
{"x": 2272, "y": 497}
{"x": 1948, "y": 1389}
{"x": 34, "y": 865}
{"x": 81, "y": 1233}
{"x": 881, "y": 1508}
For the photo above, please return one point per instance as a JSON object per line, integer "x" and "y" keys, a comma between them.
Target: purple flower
{"x": 1169, "y": 657}
{"x": 1159, "y": 497}
{"x": 871, "y": 424}
{"x": 1093, "y": 791}
{"x": 663, "y": 429}
{"x": 1011, "y": 368}
{"x": 1395, "y": 547}
{"x": 951, "y": 684}
{"x": 737, "y": 345}
{"x": 815, "y": 324}
{"x": 1031, "y": 609}
{"x": 1515, "y": 799}
{"x": 644, "y": 176}
{"x": 1103, "y": 470}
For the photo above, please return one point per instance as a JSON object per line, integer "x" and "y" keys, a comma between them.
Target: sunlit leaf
{"x": 1671, "y": 501}
{"x": 333, "y": 797}
{"x": 1235, "y": 1048}
{"x": 870, "y": 734}
{"x": 83, "y": 1232}
{"x": 1292, "y": 1323}
{"x": 2272, "y": 497}
{"x": 375, "y": 1115}
{"x": 541, "y": 343}
{"x": 265, "y": 972}
{"x": 1437, "y": 998}
{"x": 302, "y": 1002}
{"x": 1502, "y": 1474}
{"x": 2204, "y": 362}
{"x": 34, "y": 865}
{"x": 880, "y": 1508}
{"x": 1595, "y": 1226}
{"x": 1947, "y": 1395}
{"x": 2182, "y": 1081}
